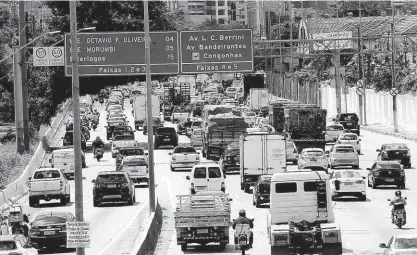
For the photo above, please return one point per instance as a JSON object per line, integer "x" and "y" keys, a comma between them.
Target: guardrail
{"x": 17, "y": 189}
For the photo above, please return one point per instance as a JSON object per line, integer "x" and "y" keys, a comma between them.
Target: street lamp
{"x": 80, "y": 30}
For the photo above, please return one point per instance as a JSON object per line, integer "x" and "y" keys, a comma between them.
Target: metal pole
{"x": 360, "y": 75}
{"x": 23, "y": 36}
{"x": 394, "y": 98}
{"x": 17, "y": 71}
{"x": 149, "y": 107}
{"x": 337, "y": 82}
{"x": 79, "y": 210}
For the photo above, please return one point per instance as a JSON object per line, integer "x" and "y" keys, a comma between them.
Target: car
{"x": 115, "y": 106}
{"x": 118, "y": 120}
{"x": 333, "y": 131}
{"x": 292, "y": 152}
{"x": 67, "y": 139}
{"x": 121, "y": 141}
{"x": 196, "y": 124}
{"x": 116, "y": 114}
{"x": 386, "y": 173}
{"x": 123, "y": 130}
{"x": 343, "y": 155}
{"x": 110, "y": 184}
{"x": 348, "y": 182}
{"x": 395, "y": 151}
{"x": 350, "y": 138}
{"x": 137, "y": 168}
{"x": 230, "y": 92}
{"x": 197, "y": 138}
{"x": 184, "y": 157}
{"x": 230, "y": 159}
{"x": 183, "y": 126}
{"x": 401, "y": 244}
{"x": 49, "y": 229}
{"x": 16, "y": 244}
{"x": 350, "y": 122}
{"x": 249, "y": 117}
{"x": 166, "y": 136}
{"x": 206, "y": 177}
{"x": 156, "y": 123}
{"x": 129, "y": 148}
{"x": 312, "y": 157}
{"x": 261, "y": 190}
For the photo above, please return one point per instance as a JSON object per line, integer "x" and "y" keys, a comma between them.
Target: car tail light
{"x": 61, "y": 183}
{"x": 408, "y": 154}
{"x": 192, "y": 185}
{"x": 223, "y": 186}
{"x": 402, "y": 173}
{"x": 197, "y": 158}
{"x": 376, "y": 173}
{"x": 295, "y": 150}
{"x": 360, "y": 182}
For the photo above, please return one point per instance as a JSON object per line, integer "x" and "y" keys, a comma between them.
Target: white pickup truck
{"x": 47, "y": 184}
{"x": 184, "y": 157}
{"x": 137, "y": 168}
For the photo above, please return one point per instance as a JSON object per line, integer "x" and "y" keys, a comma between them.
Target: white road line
{"x": 172, "y": 200}
{"x": 123, "y": 230}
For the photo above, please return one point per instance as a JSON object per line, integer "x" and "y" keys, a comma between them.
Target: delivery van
{"x": 64, "y": 159}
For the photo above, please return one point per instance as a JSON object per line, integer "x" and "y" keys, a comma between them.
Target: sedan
{"x": 15, "y": 244}
{"x": 343, "y": 155}
{"x": 348, "y": 183}
{"x": 386, "y": 173}
{"x": 49, "y": 229}
{"x": 352, "y": 139}
{"x": 333, "y": 132}
{"x": 401, "y": 244}
{"x": 312, "y": 157}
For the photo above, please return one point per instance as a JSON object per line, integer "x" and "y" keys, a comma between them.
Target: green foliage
{"x": 369, "y": 8}
{"x": 214, "y": 25}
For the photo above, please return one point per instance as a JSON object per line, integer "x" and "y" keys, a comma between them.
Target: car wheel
{"x": 359, "y": 152}
{"x": 362, "y": 198}
{"x": 155, "y": 146}
{"x": 33, "y": 201}
{"x": 144, "y": 133}
{"x": 63, "y": 200}
{"x": 334, "y": 197}
{"x": 84, "y": 165}
{"x": 409, "y": 166}
{"x": 130, "y": 200}
{"x": 68, "y": 198}
{"x": 258, "y": 203}
{"x": 184, "y": 247}
{"x": 355, "y": 166}
{"x": 295, "y": 162}
{"x": 369, "y": 184}
{"x": 401, "y": 186}
{"x": 242, "y": 186}
{"x": 246, "y": 188}
{"x": 172, "y": 169}
{"x": 373, "y": 185}
{"x": 113, "y": 155}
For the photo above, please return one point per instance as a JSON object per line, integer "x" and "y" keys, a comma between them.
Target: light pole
{"x": 80, "y": 30}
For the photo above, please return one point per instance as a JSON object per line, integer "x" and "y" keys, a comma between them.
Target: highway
{"x": 364, "y": 225}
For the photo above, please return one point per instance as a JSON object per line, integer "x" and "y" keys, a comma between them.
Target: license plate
{"x": 399, "y": 215}
{"x": 49, "y": 233}
{"x": 242, "y": 242}
{"x": 167, "y": 139}
{"x": 134, "y": 171}
{"x": 348, "y": 124}
{"x": 200, "y": 188}
{"x": 313, "y": 160}
{"x": 202, "y": 231}
{"x": 348, "y": 183}
{"x": 111, "y": 186}
{"x": 389, "y": 180}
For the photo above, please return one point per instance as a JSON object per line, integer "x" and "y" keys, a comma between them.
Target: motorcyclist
{"x": 95, "y": 119}
{"x": 97, "y": 143}
{"x": 242, "y": 219}
{"x": 395, "y": 202}
{"x": 96, "y": 113}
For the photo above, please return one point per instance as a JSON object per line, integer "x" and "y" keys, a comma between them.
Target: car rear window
{"x": 346, "y": 174}
{"x": 349, "y": 137}
{"x": 184, "y": 150}
{"x": 390, "y": 166}
{"x": 136, "y": 162}
{"x": 131, "y": 152}
{"x": 112, "y": 177}
{"x": 165, "y": 131}
{"x": 346, "y": 117}
{"x": 344, "y": 149}
{"x": 7, "y": 245}
{"x": 250, "y": 114}
{"x": 47, "y": 174}
{"x": 288, "y": 187}
{"x": 313, "y": 153}
{"x": 53, "y": 219}
{"x": 214, "y": 172}
{"x": 405, "y": 243}
{"x": 200, "y": 173}
{"x": 396, "y": 147}
{"x": 335, "y": 128}
{"x": 123, "y": 138}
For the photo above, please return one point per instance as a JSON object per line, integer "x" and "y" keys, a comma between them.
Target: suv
{"x": 350, "y": 122}
{"x": 113, "y": 184}
{"x": 396, "y": 152}
{"x": 230, "y": 159}
{"x": 156, "y": 123}
{"x": 261, "y": 190}
{"x": 166, "y": 136}
{"x": 68, "y": 139}
{"x": 123, "y": 130}
{"x": 386, "y": 173}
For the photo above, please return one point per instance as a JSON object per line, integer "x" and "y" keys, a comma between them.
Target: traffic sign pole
{"x": 78, "y": 181}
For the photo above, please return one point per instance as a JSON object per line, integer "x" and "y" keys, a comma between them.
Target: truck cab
{"x": 301, "y": 214}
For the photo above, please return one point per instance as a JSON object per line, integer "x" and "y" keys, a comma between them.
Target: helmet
{"x": 398, "y": 193}
{"x": 242, "y": 213}
{"x": 98, "y": 138}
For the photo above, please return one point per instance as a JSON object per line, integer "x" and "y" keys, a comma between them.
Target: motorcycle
{"x": 399, "y": 214}
{"x": 242, "y": 237}
{"x": 94, "y": 126}
{"x": 101, "y": 100}
{"x": 99, "y": 153}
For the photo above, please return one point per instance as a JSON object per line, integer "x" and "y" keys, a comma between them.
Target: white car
{"x": 402, "y": 244}
{"x": 343, "y": 155}
{"x": 312, "y": 158}
{"x": 292, "y": 152}
{"x": 137, "y": 168}
{"x": 117, "y": 144}
{"x": 184, "y": 157}
{"x": 206, "y": 177}
{"x": 15, "y": 244}
{"x": 348, "y": 183}
{"x": 333, "y": 132}
{"x": 352, "y": 139}
{"x": 231, "y": 92}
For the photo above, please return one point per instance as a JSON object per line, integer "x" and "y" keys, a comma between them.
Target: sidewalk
{"x": 409, "y": 133}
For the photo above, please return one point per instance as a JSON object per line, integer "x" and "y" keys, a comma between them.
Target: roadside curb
{"x": 389, "y": 133}
{"x": 149, "y": 237}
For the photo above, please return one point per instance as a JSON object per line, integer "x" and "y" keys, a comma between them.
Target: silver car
{"x": 343, "y": 155}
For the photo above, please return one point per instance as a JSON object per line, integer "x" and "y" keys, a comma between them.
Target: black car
{"x": 156, "y": 123}
{"x": 261, "y": 190}
{"x": 182, "y": 127}
{"x": 123, "y": 130}
{"x": 110, "y": 128}
{"x": 109, "y": 185}
{"x": 166, "y": 136}
{"x": 230, "y": 160}
{"x": 68, "y": 139}
{"x": 49, "y": 229}
{"x": 395, "y": 151}
{"x": 386, "y": 173}
{"x": 350, "y": 122}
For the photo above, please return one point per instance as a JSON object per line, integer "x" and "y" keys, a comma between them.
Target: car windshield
{"x": 7, "y": 245}
{"x": 131, "y": 152}
{"x": 390, "y": 166}
{"x": 347, "y": 117}
{"x": 335, "y": 128}
{"x": 313, "y": 153}
{"x": 405, "y": 243}
{"x": 112, "y": 177}
{"x": 349, "y": 137}
{"x": 165, "y": 131}
{"x": 393, "y": 147}
{"x": 47, "y": 174}
{"x": 346, "y": 174}
{"x": 184, "y": 150}
{"x": 250, "y": 114}
{"x": 51, "y": 219}
{"x": 344, "y": 149}
{"x": 136, "y": 162}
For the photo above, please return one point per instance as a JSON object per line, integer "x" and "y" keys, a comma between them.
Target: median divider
{"x": 17, "y": 189}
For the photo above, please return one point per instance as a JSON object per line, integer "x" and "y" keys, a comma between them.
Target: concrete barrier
{"x": 149, "y": 237}
{"x": 17, "y": 189}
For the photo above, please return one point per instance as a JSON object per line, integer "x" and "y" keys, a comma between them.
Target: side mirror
{"x": 30, "y": 178}
{"x": 405, "y": 198}
{"x": 378, "y": 150}
{"x": 170, "y": 153}
{"x": 230, "y": 199}
{"x": 187, "y": 177}
{"x": 389, "y": 200}
{"x": 337, "y": 184}
{"x": 49, "y": 160}
{"x": 93, "y": 181}
{"x": 368, "y": 168}
{"x": 363, "y": 177}
{"x": 382, "y": 245}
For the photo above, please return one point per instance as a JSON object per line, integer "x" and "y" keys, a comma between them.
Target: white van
{"x": 206, "y": 177}
{"x": 64, "y": 159}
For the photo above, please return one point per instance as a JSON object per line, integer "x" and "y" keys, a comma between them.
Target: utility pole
{"x": 149, "y": 107}
{"x": 394, "y": 97}
{"x": 78, "y": 176}
{"x": 360, "y": 74}
{"x": 18, "y": 113}
{"x": 337, "y": 70}
{"x": 23, "y": 31}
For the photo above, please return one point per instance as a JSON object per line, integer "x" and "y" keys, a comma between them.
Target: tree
{"x": 369, "y": 8}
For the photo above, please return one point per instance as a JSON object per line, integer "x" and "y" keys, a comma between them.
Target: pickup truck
{"x": 47, "y": 184}
{"x": 137, "y": 168}
{"x": 184, "y": 157}
{"x": 203, "y": 218}
{"x": 179, "y": 116}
